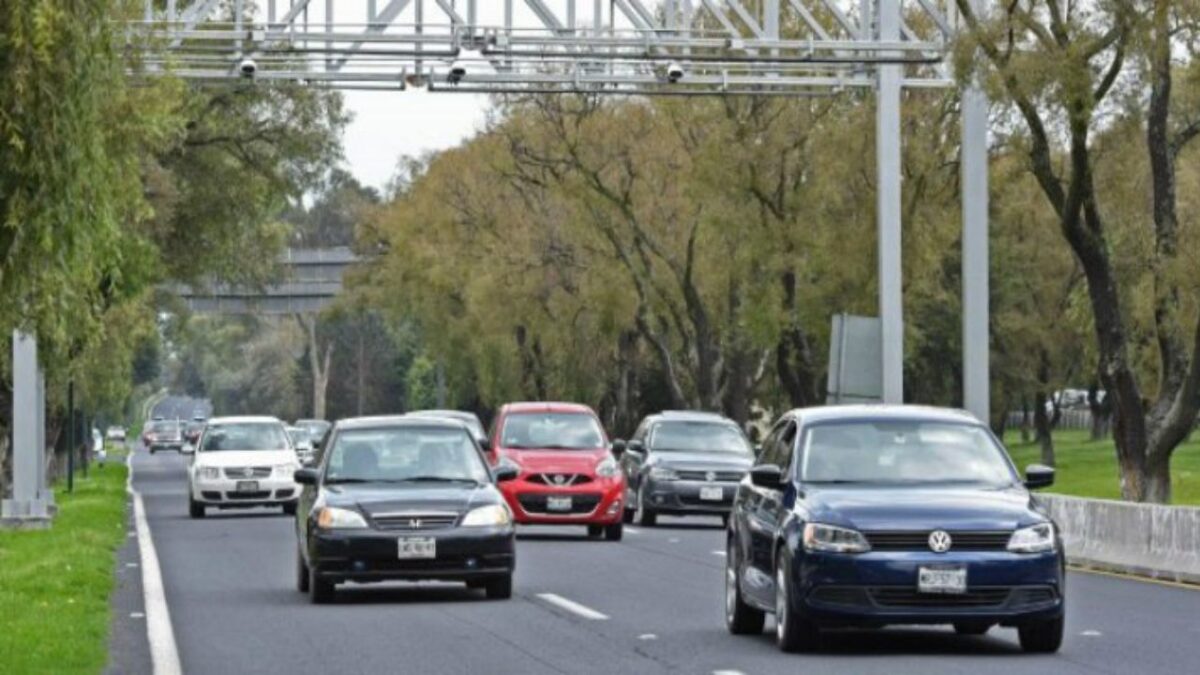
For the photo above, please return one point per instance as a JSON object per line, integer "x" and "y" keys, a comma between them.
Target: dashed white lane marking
{"x": 131, "y": 564}
{"x": 163, "y": 653}
{"x": 573, "y": 607}
{"x": 673, "y": 540}
{"x": 136, "y": 615}
{"x": 630, "y": 530}
{"x": 647, "y": 636}
{"x": 727, "y": 672}
{"x": 1091, "y": 633}
{"x": 720, "y": 552}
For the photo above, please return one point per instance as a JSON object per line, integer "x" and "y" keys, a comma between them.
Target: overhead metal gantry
{"x": 629, "y": 47}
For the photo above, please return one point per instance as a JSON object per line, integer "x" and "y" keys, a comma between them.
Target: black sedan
{"x": 403, "y": 499}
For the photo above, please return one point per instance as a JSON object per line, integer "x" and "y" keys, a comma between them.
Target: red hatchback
{"x": 566, "y": 473}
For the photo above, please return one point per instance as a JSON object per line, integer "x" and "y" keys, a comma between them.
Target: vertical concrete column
{"x": 29, "y": 494}
{"x": 887, "y": 153}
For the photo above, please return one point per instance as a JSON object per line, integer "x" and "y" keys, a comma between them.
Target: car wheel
{"x": 644, "y": 515}
{"x": 301, "y": 573}
{"x": 740, "y": 618}
{"x": 289, "y": 509}
{"x": 792, "y": 633}
{"x": 499, "y": 589}
{"x": 725, "y": 521}
{"x": 595, "y": 531}
{"x": 195, "y": 508}
{"x": 1043, "y": 637}
{"x": 972, "y": 628}
{"x": 320, "y": 590}
{"x": 614, "y": 532}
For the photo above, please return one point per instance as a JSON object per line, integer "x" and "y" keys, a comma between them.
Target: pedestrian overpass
{"x": 310, "y": 279}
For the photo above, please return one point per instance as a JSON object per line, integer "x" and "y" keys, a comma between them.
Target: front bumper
{"x": 880, "y": 588}
{"x": 684, "y": 497}
{"x": 599, "y": 502}
{"x": 155, "y": 446}
{"x": 224, "y": 492}
{"x": 463, "y": 554}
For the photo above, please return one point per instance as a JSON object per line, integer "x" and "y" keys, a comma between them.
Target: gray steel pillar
{"x": 887, "y": 154}
{"x": 30, "y": 497}
{"x": 975, "y": 309}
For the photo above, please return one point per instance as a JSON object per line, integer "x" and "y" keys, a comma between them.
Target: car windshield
{"x": 556, "y": 431}
{"x": 698, "y": 437}
{"x": 164, "y": 427}
{"x": 298, "y": 435}
{"x": 903, "y": 452}
{"x": 405, "y": 454}
{"x": 466, "y": 418}
{"x": 245, "y": 436}
{"x": 316, "y": 428}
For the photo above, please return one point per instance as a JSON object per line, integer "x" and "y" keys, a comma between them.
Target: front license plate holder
{"x": 558, "y": 504}
{"x": 416, "y": 548}
{"x": 246, "y": 486}
{"x": 712, "y": 493}
{"x": 942, "y": 580}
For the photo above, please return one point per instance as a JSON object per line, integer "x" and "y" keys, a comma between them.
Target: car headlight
{"x": 495, "y": 515}
{"x": 209, "y": 472}
{"x": 833, "y": 539}
{"x": 663, "y": 473}
{"x": 331, "y": 518}
{"x": 607, "y": 468}
{"x": 1036, "y": 539}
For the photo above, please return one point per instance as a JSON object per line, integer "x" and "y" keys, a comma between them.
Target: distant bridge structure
{"x": 312, "y": 278}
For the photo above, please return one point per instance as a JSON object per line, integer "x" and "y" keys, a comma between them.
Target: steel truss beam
{"x": 613, "y": 46}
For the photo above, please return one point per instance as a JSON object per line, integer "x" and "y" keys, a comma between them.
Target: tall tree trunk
{"x": 1025, "y": 421}
{"x": 1101, "y": 412}
{"x": 318, "y": 363}
{"x": 1041, "y": 422}
{"x": 362, "y": 370}
{"x": 794, "y": 360}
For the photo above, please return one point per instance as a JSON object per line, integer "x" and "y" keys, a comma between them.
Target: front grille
{"x": 919, "y": 540}
{"x": 1032, "y": 596}
{"x": 904, "y": 596}
{"x": 248, "y": 496}
{"x": 718, "y": 476}
{"x": 580, "y": 504}
{"x": 248, "y": 472}
{"x": 559, "y": 479}
{"x": 213, "y": 495}
{"x": 852, "y": 596}
{"x": 414, "y": 521}
{"x": 281, "y": 494}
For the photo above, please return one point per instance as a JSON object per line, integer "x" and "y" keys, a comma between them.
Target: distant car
{"x": 163, "y": 435}
{"x": 302, "y": 442}
{"x": 242, "y": 462}
{"x": 877, "y": 515}
{"x": 468, "y": 418}
{"x": 192, "y": 433}
{"x": 566, "y": 471}
{"x": 115, "y": 433}
{"x": 683, "y": 463}
{"x": 403, "y": 498}
{"x": 317, "y": 430}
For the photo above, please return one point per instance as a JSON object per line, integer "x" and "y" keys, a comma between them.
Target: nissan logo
{"x": 247, "y": 472}
{"x": 559, "y": 479}
{"x": 939, "y": 541}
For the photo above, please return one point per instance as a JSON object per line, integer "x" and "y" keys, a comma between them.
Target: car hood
{"x": 557, "y": 461}
{"x": 923, "y": 508}
{"x": 719, "y": 461}
{"x": 245, "y": 458}
{"x": 385, "y": 498}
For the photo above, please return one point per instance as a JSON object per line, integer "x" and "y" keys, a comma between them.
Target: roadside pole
{"x": 71, "y": 436}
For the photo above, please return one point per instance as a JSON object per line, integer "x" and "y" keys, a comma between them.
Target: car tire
{"x": 792, "y": 633}
{"x": 595, "y": 531}
{"x": 967, "y": 628}
{"x": 1042, "y": 637}
{"x": 725, "y": 520}
{"x": 289, "y": 509}
{"x": 302, "y": 578}
{"x": 195, "y": 509}
{"x": 320, "y": 590}
{"x": 614, "y": 532}
{"x": 740, "y": 618}
{"x": 499, "y": 588}
{"x": 644, "y": 515}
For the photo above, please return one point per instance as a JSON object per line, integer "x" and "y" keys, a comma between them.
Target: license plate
{"x": 712, "y": 494}
{"x": 558, "y": 503}
{"x": 943, "y": 580}
{"x": 417, "y": 548}
{"x": 247, "y": 486}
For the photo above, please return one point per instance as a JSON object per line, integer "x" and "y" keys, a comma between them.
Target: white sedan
{"x": 240, "y": 462}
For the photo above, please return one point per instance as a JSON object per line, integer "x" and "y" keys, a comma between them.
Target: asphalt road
{"x": 229, "y": 583}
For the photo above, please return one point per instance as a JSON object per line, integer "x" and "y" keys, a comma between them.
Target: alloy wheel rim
{"x": 730, "y": 588}
{"x": 641, "y": 506}
{"x": 781, "y": 616}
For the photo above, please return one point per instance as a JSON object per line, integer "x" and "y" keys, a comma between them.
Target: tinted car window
{"x": 570, "y": 431}
{"x": 903, "y": 452}
{"x": 404, "y": 453}
{"x": 163, "y": 427}
{"x": 698, "y": 437}
{"x": 245, "y": 436}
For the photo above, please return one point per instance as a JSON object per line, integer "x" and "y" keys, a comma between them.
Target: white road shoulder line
{"x": 573, "y": 607}
{"x": 163, "y": 653}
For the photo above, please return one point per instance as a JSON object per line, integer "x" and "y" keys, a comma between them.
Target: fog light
{"x": 472, "y": 563}
{"x": 360, "y": 566}
{"x": 658, "y": 499}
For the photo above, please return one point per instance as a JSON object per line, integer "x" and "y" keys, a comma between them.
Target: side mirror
{"x": 305, "y": 476}
{"x": 1038, "y": 476}
{"x": 757, "y": 449}
{"x": 636, "y": 446}
{"x": 767, "y": 476}
{"x": 505, "y": 472}
{"x": 618, "y": 448}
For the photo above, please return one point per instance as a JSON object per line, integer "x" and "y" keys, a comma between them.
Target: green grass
{"x": 1088, "y": 468}
{"x": 55, "y": 584}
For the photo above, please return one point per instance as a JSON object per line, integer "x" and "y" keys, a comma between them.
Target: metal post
{"x": 887, "y": 151}
{"x": 29, "y": 504}
{"x": 975, "y": 310}
{"x": 71, "y": 436}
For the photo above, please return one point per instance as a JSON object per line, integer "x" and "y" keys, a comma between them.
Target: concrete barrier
{"x": 1151, "y": 540}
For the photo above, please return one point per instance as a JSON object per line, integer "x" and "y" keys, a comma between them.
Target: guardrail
{"x": 1150, "y": 540}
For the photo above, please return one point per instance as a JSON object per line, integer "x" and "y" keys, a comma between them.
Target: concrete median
{"x": 1150, "y": 540}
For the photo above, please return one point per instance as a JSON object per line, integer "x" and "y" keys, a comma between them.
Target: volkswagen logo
{"x": 247, "y": 472}
{"x": 939, "y": 541}
{"x": 414, "y": 523}
{"x": 710, "y": 476}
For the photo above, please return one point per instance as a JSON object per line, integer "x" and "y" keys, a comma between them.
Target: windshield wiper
{"x": 335, "y": 481}
{"x": 436, "y": 479}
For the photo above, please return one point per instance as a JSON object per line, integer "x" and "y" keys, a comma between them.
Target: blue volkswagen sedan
{"x": 874, "y": 515}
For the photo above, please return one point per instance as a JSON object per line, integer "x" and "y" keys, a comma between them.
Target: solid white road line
{"x": 727, "y": 672}
{"x": 163, "y": 653}
{"x": 573, "y": 607}
{"x": 720, "y": 552}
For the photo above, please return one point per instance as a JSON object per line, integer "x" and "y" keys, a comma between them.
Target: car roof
{"x": 244, "y": 419}
{"x": 882, "y": 412}
{"x": 548, "y": 406}
{"x": 310, "y": 421}
{"x": 456, "y": 414}
{"x": 376, "y": 422}
{"x": 691, "y": 416}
